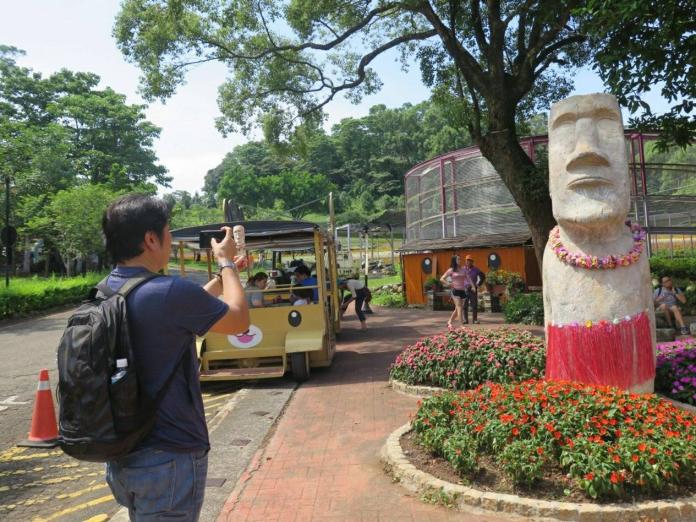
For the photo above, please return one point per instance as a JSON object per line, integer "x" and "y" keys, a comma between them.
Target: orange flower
{"x": 642, "y": 446}
{"x": 635, "y": 458}
{"x": 615, "y": 477}
{"x": 616, "y": 458}
{"x": 515, "y": 432}
{"x": 540, "y": 450}
{"x": 589, "y": 476}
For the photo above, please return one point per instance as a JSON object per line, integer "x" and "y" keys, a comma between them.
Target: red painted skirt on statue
{"x": 607, "y": 353}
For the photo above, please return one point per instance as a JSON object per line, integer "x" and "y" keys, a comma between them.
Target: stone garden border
{"x": 419, "y": 390}
{"x": 462, "y": 497}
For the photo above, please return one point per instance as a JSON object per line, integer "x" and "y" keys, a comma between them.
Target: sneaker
{"x": 476, "y": 321}
{"x": 684, "y": 330}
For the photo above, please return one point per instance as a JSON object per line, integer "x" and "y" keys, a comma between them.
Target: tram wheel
{"x": 299, "y": 364}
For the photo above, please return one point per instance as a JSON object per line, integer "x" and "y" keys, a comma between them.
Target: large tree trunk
{"x": 527, "y": 186}
{"x": 26, "y": 260}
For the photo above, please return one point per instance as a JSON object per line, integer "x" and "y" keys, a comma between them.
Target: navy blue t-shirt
{"x": 165, "y": 314}
{"x": 312, "y": 281}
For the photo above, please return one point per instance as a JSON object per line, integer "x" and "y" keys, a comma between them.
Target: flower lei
{"x": 594, "y": 262}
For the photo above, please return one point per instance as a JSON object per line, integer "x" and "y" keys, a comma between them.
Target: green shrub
{"x": 609, "y": 444}
{"x": 26, "y": 295}
{"x": 463, "y": 359}
{"x": 391, "y": 300}
{"x": 679, "y": 268}
{"x": 524, "y": 309}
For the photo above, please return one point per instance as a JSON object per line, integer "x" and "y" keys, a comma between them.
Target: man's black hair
{"x": 128, "y": 219}
{"x": 304, "y": 270}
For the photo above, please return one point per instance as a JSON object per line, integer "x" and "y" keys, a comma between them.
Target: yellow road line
{"x": 48, "y": 482}
{"x": 74, "y": 509}
{"x": 43, "y": 500}
{"x": 41, "y": 455}
{"x": 98, "y": 518}
{"x": 81, "y": 491}
{"x": 217, "y": 398}
{"x": 8, "y": 454}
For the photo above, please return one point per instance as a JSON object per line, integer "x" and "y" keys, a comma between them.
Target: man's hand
{"x": 226, "y": 250}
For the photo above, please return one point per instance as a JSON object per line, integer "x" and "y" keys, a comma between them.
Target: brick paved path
{"x": 322, "y": 462}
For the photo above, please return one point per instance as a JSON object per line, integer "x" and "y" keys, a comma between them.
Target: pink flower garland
{"x": 594, "y": 262}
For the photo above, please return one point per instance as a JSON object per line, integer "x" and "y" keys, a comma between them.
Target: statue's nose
{"x": 587, "y": 151}
{"x": 585, "y": 136}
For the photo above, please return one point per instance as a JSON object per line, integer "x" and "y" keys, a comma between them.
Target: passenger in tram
{"x": 254, "y": 289}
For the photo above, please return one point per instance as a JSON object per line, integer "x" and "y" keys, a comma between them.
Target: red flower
{"x": 540, "y": 450}
{"x": 615, "y": 477}
{"x": 642, "y": 446}
{"x": 635, "y": 458}
{"x": 589, "y": 476}
{"x": 515, "y": 432}
{"x": 616, "y": 459}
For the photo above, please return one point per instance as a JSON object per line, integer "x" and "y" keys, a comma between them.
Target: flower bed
{"x": 465, "y": 358}
{"x": 600, "y": 441}
{"x": 676, "y": 370}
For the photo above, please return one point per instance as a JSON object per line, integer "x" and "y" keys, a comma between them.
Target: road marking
{"x": 98, "y": 518}
{"x": 9, "y": 453}
{"x": 74, "y": 509}
{"x": 212, "y": 400}
{"x": 41, "y": 455}
{"x": 226, "y": 409}
{"x": 10, "y": 401}
{"x": 81, "y": 491}
{"x": 51, "y": 481}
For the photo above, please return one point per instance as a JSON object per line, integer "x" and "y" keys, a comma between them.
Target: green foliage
{"x": 28, "y": 295}
{"x": 610, "y": 444}
{"x": 679, "y": 268}
{"x": 512, "y": 280}
{"x": 639, "y": 45}
{"x": 524, "y": 309}
{"x": 464, "y": 358}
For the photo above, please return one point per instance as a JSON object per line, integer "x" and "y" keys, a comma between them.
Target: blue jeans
{"x": 159, "y": 485}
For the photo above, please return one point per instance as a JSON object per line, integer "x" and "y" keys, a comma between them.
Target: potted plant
{"x": 432, "y": 284}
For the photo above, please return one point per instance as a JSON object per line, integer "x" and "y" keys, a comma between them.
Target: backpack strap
{"x": 126, "y": 288}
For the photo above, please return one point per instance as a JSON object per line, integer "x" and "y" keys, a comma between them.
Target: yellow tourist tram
{"x": 282, "y": 336}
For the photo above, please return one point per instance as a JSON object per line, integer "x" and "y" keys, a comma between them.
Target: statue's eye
{"x": 294, "y": 318}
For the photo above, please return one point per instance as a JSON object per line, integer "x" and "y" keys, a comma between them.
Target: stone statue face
{"x": 588, "y": 163}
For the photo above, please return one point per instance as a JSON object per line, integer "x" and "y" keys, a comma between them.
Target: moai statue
{"x": 597, "y": 292}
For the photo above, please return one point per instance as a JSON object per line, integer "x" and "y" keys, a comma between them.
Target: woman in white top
{"x": 358, "y": 294}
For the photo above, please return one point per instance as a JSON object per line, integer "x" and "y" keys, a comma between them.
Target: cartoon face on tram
{"x": 291, "y": 288}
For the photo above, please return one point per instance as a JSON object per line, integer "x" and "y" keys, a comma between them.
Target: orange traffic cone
{"x": 44, "y": 431}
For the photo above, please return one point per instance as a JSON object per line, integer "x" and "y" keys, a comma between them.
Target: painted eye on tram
{"x": 294, "y": 318}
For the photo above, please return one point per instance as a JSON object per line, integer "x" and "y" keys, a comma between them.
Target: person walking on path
{"x": 358, "y": 294}
{"x": 164, "y": 476}
{"x": 464, "y": 281}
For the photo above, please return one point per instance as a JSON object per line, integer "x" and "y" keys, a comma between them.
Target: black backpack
{"x": 100, "y": 421}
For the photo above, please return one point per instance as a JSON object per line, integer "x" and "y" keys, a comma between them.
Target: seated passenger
{"x": 254, "y": 289}
{"x": 304, "y": 277}
{"x": 302, "y": 296}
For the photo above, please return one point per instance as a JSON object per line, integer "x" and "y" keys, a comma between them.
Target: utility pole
{"x": 8, "y": 245}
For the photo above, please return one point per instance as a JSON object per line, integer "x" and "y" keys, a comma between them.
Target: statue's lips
{"x": 583, "y": 181}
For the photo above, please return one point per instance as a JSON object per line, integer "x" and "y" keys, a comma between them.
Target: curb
{"x": 462, "y": 497}
{"x": 416, "y": 390}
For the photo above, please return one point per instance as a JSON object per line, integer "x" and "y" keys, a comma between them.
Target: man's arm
{"x": 236, "y": 320}
{"x": 680, "y": 296}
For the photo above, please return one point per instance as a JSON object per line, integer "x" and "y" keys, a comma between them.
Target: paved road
{"x": 46, "y": 485}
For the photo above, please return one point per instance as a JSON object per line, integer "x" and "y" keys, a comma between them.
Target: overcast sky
{"x": 76, "y": 34}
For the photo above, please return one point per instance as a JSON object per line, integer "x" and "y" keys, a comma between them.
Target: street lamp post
{"x": 8, "y": 247}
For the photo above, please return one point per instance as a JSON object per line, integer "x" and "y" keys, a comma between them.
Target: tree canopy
{"x": 64, "y": 140}
{"x": 492, "y": 64}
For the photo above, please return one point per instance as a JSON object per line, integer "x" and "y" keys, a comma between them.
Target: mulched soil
{"x": 554, "y": 485}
